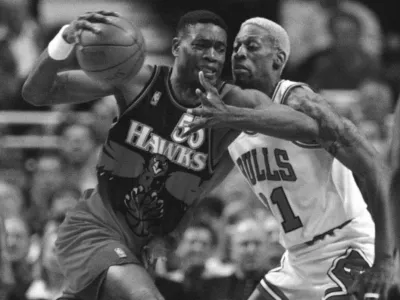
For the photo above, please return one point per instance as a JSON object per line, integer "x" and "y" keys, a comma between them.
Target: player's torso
{"x": 307, "y": 190}
{"x": 148, "y": 171}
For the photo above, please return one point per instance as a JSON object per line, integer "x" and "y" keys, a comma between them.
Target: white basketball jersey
{"x": 308, "y": 191}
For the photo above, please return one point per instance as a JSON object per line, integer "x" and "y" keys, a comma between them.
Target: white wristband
{"x": 58, "y": 48}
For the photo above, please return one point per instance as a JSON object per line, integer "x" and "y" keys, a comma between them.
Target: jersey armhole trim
{"x": 144, "y": 91}
{"x": 310, "y": 145}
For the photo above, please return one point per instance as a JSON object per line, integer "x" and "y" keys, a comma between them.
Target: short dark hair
{"x": 200, "y": 16}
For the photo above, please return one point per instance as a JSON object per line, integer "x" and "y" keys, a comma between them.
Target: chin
{"x": 212, "y": 79}
{"x": 242, "y": 82}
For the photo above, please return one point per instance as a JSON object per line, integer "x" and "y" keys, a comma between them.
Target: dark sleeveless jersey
{"x": 147, "y": 170}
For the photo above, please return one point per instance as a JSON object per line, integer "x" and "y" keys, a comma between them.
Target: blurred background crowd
{"x": 348, "y": 50}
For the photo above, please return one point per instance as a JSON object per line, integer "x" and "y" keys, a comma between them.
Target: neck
{"x": 183, "y": 90}
{"x": 268, "y": 86}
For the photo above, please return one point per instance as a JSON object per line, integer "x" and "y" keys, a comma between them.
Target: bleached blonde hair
{"x": 275, "y": 31}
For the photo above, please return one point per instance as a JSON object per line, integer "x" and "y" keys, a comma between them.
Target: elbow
{"x": 32, "y": 97}
{"x": 310, "y": 131}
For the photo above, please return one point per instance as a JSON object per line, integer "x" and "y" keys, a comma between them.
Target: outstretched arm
{"x": 250, "y": 110}
{"x": 52, "y": 80}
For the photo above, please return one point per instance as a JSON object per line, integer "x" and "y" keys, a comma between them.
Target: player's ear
{"x": 175, "y": 46}
{"x": 279, "y": 60}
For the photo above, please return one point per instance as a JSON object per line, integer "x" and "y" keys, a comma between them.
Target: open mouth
{"x": 209, "y": 72}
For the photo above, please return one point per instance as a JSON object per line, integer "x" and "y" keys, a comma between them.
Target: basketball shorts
{"x": 86, "y": 247}
{"x": 324, "y": 270}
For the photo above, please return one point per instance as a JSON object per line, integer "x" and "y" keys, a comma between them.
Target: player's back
{"x": 306, "y": 189}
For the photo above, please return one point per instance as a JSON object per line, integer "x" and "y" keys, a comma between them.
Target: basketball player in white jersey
{"x": 326, "y": 227}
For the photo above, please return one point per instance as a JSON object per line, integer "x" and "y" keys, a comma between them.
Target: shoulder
{"x": 236, "y": 96}
{"x": 302, "y": 96}
{"x": 146, "y": 73}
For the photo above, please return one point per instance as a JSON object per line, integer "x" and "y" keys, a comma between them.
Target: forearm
{"x": 377, "y": 188}
{"x": 395, "y": 204}
{"x": 58, "y": 56}
{"x": 279, "y": 121}
{"x": 40, "y": 81}
{"x": 355, "y": 152}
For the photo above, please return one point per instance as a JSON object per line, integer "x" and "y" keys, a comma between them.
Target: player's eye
{"x": 252, "y": 46}
{"x": 220, "y": 48}
{"x": 200, "y": 45}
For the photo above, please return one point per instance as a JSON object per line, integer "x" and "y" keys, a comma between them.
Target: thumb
{"x": 205, "y": 83}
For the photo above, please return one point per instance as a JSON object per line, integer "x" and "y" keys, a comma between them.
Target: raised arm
{"x": 55, "y": 77}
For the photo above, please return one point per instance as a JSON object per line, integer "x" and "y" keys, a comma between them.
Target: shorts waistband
{"x": 329, "y": 232}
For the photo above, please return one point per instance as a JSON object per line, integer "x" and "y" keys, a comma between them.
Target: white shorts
{"x": 324, "y": 270}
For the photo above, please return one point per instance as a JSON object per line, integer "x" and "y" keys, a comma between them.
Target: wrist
{"x": 383, "y": 258}
{"x": 59, "y": 48}
{"x": 232, "y": 115}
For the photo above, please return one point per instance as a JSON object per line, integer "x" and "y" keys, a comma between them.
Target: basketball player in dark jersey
{"x": 150, "y": 174}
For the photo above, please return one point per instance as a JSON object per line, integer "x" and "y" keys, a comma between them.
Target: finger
{"x": 86, "y": 25}
{"x": 354, "y": 288}
{"x": 195, "y": 126}
{"x": 198, "y": 111}
{"x": 374, "y": 283}
{"x": 206, "y": 84}
{"x": 95, "y": 17}
{"x": 205, "y": 101}
{"x": 145, "y": 258}
{"x": 372, "y": 296}
{"x": 109, "y": 13}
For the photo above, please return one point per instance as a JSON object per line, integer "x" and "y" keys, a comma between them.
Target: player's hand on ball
{"x": 212, "y": 111}
{"x": 86, "y": 22}
{"x": 374, "y": 283}
{"x": 156, "y": 249}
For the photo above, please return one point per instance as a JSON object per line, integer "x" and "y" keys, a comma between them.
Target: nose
{"x": 211, "y": 54}
{"x": 239, "y": 53}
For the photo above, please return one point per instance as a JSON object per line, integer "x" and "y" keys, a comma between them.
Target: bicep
{"x": 353, "y": 150}
{"x": 338, "y": 135}
{"x": 76, "y": 87}
{"x": 249, "y": 98}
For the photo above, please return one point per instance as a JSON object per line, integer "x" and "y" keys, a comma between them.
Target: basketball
{"x": 114, "y": 54}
